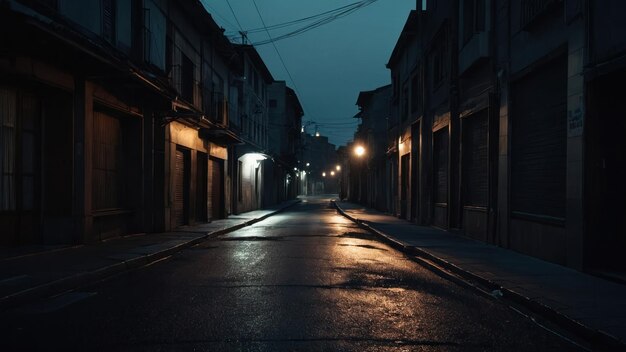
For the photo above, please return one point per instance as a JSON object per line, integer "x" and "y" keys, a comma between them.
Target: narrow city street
{"x": 305, "y": 279}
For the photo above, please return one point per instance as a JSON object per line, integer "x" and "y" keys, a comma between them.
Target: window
{"x": 108, "y": 168}
{"x": 108, "y": 20}
{"x": 439, "y": 56}
{"x": 473, "y": 18}
{"x": 415, "y": 91}
{"x": 154, "y": 34}
{"x": 187, "y": 78}
{"x": 123, "y": 24}
{"x": 7, "y": 153}
{"x": 404, "y": 108}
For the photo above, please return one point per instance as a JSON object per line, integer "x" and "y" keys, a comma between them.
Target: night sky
{"x": 330, "y": 64}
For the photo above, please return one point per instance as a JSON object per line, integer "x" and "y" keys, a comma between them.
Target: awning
{"x": 219, "y": 136}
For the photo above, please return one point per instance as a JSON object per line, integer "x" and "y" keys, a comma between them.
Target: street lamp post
{"x": 359, "y": 151}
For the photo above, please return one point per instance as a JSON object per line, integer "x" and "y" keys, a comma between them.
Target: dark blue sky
{"x": 329, "y": 64}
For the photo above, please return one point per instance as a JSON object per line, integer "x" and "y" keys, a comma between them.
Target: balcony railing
{"x": 532, "y": 9}
{"x": 216, "y": 107}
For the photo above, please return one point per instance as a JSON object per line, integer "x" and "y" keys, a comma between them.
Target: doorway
{"x": 605, "y": 172}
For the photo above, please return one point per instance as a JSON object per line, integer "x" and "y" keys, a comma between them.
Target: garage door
{"x": 539, "y": 119}
{"x": 216, "y": 186}
{"x": 180, "y": 198}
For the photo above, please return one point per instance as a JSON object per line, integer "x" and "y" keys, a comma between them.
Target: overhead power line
{"x": 213, "y": 11}
{"x": 318, "y": 20}
{"x": 241, "y": 31}
{"x": 293, "y": 81}
{"x": 304, "y": 19}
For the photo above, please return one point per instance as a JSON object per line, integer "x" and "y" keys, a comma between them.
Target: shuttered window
{"x": 179, "y": 189}
{"x": 440, "y": 145}
{"x": 475, "y": 156}
{"x": 216, "y": 185}
{"x": 539, "y": 143}
{"x": 108, "y": 20}
{"x": 28, "y": 154}
{"x": 108, "y": 166}
{"x": 201, "y": 186}
{"x": 8, "y": 131}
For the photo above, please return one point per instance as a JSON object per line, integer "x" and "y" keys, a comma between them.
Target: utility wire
{"x": 213, "y": 11}
{"x": 295, "y": 86}
{"x": 304, "y": 19}
{"x": 236, "y": 19}
{"x": 317, "y": 23}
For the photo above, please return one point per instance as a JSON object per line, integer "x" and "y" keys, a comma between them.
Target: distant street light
{"x": 323, "y": 174}
{"x": 332, "y": 173}
{"x": 317, "y": 134}
{"x": 359, "y": 150}
{"x": 338, "y": 167}
{"x": 307, "y": 164}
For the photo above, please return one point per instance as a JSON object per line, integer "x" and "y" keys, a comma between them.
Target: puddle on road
{"x": 367, "y": 246}
{"x": 253, "y": 238}
{"x": 358, "y": 235}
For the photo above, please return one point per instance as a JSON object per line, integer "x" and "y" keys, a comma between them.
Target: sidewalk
{"x": 29, "y": 275}
{"x": 589, "y": 305}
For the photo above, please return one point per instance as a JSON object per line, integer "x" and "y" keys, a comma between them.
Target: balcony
{"x": 477, "y": 48}
{"x": 531, "y": 10}
{"x": 216, "y": 108}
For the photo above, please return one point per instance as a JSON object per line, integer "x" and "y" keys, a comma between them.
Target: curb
{"x": 81, "y": 279}
{"x": 593, "y": 335}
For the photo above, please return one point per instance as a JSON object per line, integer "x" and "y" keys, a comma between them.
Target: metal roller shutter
{"x": 179, "y": 189}
{"x": 539, "y": 117}
{"x": 216, "y": 185}
{"x": 440, "y": 145}
{"x": 475, "y": 159}
{"x": 201, "y": 187}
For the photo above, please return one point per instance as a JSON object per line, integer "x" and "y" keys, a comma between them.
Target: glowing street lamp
{"x": 338, "y": 167}
{"x": 323, "y": 174}
{"x": 359, "y": 150}
{"x": 332, "y": 173}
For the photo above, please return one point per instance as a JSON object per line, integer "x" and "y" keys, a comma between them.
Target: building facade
{"x": 120, "y": 117}
{"x": 500, "y": 114}
{"x": 285, "y": 121}
{"x": 371, "y": 134}
{"x": 318, "y": 165}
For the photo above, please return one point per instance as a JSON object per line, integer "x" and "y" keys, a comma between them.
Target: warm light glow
{"x": 332, "y": 173}
{"x": 323, "y": 174}
{"x": 338, "y": 167}
{"x": 359, "y": 150}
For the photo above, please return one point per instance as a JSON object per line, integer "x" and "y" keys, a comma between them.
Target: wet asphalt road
{"x": 305, "y": 279}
